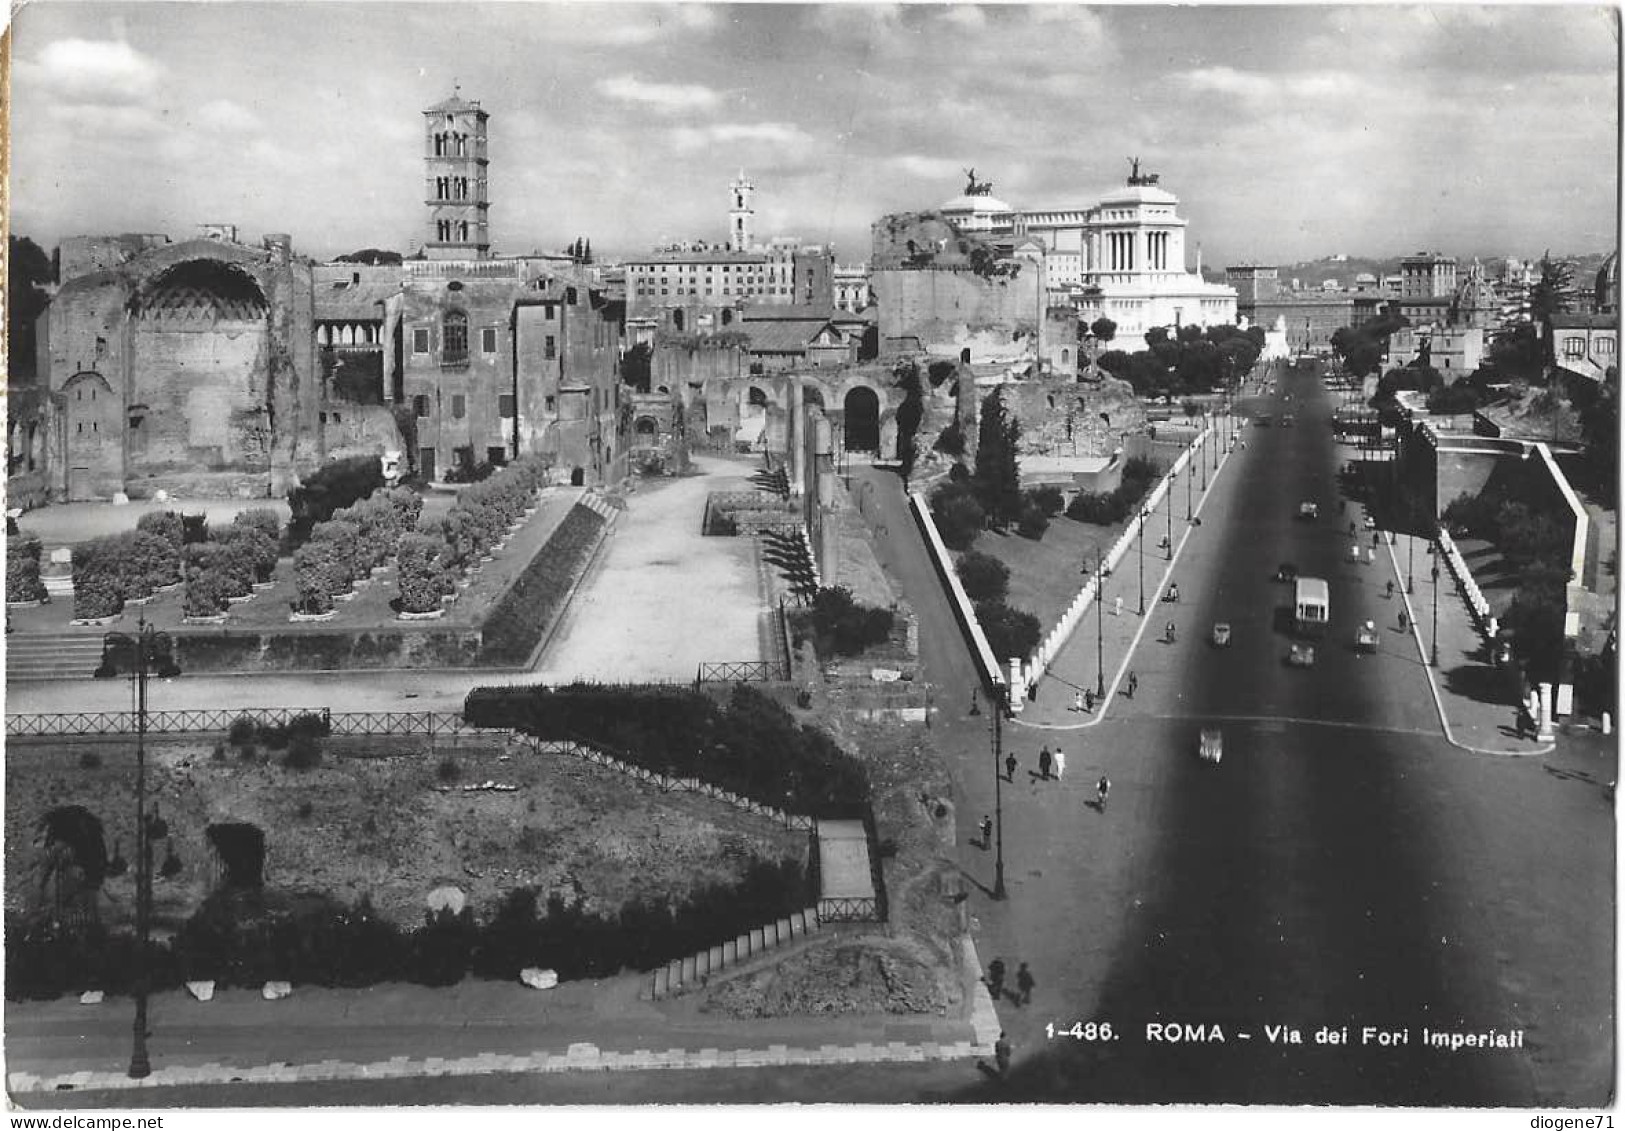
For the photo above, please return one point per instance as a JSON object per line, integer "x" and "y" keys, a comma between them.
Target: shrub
{"x": 207, "y": 585}
{"x": 242, "y": 730}
{"x": 984, "y": 577}
{"x": 316, "y": 576}
{"x": 219, "y": 752}
{"x": 515, "y": 625}
{"x": 23, "y": 581}
{"x": 248, "y": 752}
{"x": 1011, "y": 633}
{"x": 254, "y": 547}
{"x": 1047, "y": 498}
{"x": 1033, "y": 521}
{"x": 303, "y": 752}
{"x": 331, "y": 488}
{"x": 407, "y": 505}
{"x": 234, "y": 561}
{"x": 98, "y": 589}
{"x": 90, "y": 760}
{"x": 839, "y": 626}
{"x": 165, "y": 524}
{"x": 1102, "y": 509}
{"x": 419, "y": 571}
{"x": 448, "y": 770}
{"x": 959, "y": 517}
{"x": 346, "y": 556}
{"x": 951, "y": 440}
{"x": 309, "y": 725}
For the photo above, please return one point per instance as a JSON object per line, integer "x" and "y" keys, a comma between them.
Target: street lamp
{"x": 147, "y": 652}
{"x": 1144, "y": 514}
{"x": 1190, "y": 474}
{"x": 1100, "y": 628}
{"x": 1002, "y": 690}
{"x": 1434, "y": 662}
{"x": 1168, "y": 509}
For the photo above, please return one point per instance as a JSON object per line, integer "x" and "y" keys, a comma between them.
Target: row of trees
{"x": 161, "y": 552}
{"x": 349, "y": 546}
{"x": 1193, "y": 360}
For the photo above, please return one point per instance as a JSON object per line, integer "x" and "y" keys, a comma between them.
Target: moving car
{"x": 1287, "y": 421}
{"x": 1221, "y": 634}
{"x": 1287, "y": 572}
{"x": 1210, "y": 748}
{"x": 1308, "y": 510}
{"x": 1365, "y": 637}
{"x": 1370, "y": 523}
{"x": 1301, "y": 656}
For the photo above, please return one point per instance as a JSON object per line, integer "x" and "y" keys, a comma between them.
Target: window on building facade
{"x": 420, "y": 406}
{"x": 550, "y": 348}
{"x": 549, "y": 312}
{"x": 550, "y": 403}
{"x": 488, "y": 340}
{"x": 496, "y": 456}
{"x": 1574, "y": 347}
{"x": 420, "y": 339}
{"x": 459, "y": 406}
{"x": 505, "y": 406}
{"x": 1605, "y": 345}
{"x": 454, "y": 336}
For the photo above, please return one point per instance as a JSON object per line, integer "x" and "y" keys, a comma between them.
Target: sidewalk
{"x": 472, "y": 1028}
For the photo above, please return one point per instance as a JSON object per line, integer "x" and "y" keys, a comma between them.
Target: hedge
{"x": 421, "y": 572}
{"x": 22, "y": 569}
{"x": 839, "y": 626}
{"x": 98, "y": 582}
{"x": 517, "y": 622}
{"x": 753, "y": 747}
{"x": 244, "y": 937}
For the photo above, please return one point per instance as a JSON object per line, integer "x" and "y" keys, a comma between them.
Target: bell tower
{"x": 741, "y": 215}
{"x": 455, "y": 180}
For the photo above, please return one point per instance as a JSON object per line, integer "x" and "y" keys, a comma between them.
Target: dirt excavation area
{"x": 385, "y": 818}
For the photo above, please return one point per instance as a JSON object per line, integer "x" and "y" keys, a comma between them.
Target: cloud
{"x": 91, "y": 72}
{"x": 1259, "y": 89}
{"x": 926, "y": 168}
{"x": 226, "y": 116}
{"x": 665, "y": 98}
{"x": 780, "y": 135}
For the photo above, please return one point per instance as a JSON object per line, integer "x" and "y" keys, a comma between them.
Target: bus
{"x": 1311, "y": 606}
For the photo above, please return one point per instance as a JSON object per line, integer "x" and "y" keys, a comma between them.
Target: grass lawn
{"x": 1046, "y": 575}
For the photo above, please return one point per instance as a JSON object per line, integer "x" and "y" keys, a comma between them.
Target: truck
{"x": 1311, "y": 606}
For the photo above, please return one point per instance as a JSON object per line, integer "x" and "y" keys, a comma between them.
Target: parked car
{"x": 1210, "y": 747}
{"x": 1221, "y": 634}
{"x": 1301, "y": 656}
{"x": 1287, "y": 573}
{"x": 1308, "y": 510}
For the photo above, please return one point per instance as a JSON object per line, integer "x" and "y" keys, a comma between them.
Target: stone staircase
{"x": 74, "y": 654}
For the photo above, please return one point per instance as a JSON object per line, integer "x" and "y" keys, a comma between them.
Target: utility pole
{"x": 1144, "y": 514}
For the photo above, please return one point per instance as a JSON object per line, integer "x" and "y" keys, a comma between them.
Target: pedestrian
{"x": 1001, "y": 1054}
{"x": 1373, "y": 539}
{"x": 1402, "y": 620}
{"x": 987, "y": 832}
{"x": 1133, "y": 684}
{"x": 1032, "y": 692}
{"x": 1102, "y": 788}
{"x": 1009, "y": 767}
{"x": 1370, "y": 557}
{"x": 1351, "y": 529}
{"x": 995, "y": 978}
{"x": 1117, "y": 606}
{"x": 1044, "y": 763}
{"x": 1390, "y": 590}
{"x": 1077, "y": 701}
{"x": 1024, "y": 985}
{"x": 1089, "y": 701}
{"x": 1060, "y": 763}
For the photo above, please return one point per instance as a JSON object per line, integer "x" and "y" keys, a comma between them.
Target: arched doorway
{"x": 862, "y": 409}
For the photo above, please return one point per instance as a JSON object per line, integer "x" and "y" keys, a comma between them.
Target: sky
{"x": 1287, "y": 132}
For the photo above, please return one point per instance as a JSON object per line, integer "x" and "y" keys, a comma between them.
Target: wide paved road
{"x": 1344, "y": 866}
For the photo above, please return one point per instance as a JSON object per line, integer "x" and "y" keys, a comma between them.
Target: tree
{"x": 372, "y": 257}
{"x": 984, "y": 577}
{"x": 997, "y": 476}
{"x": 1104, "y": 329}
{"x": 1553, "y": 293}
{"x": 1115, "y": 362}
{"x": 28, "y": 274}
{"x": 909, "y": 415}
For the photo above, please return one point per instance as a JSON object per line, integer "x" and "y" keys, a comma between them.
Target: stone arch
{"x": 861, "y": 414}
{"x": 677, "y": 321}
{"x": 239, "y": 854}
{"x": 578, "y": 477}
{"x": 812, "y": 395}
{"x": 645, "y": 432}
{"x": 1066, "y": 356}
{"x": 756, "y": 397}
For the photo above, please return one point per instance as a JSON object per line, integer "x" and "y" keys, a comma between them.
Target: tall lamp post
{"x": 1100, "y": 628}
{"x": 147, "y": 652}
{"x": 1434, "y": 662}
{"x": 1168, "y": 509}
{"x": 1002, "y": 691}
{"x": 1190, "y": 476}
{"x": 1144, "y": 514}
{"x": 1410, "y": 545}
